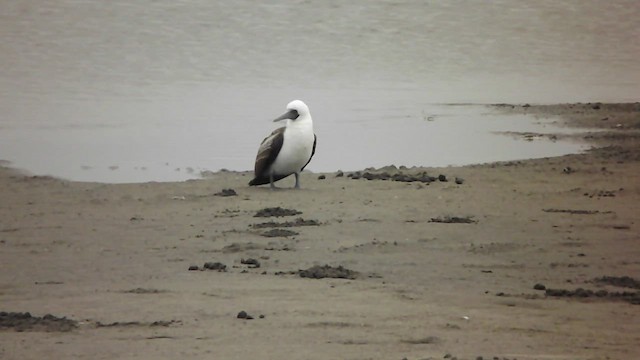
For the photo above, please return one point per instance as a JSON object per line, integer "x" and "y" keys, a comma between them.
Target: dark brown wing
{"x": 313, "y": 151}
{"x": 267, "y": 153}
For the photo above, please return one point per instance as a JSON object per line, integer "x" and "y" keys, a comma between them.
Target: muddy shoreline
{"x": 523, "y": 259}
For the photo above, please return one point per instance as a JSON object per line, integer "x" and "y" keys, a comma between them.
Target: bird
{"x": 288, "y": 149}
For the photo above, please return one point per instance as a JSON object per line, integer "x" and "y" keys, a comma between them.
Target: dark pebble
{"x": 442, "y": 178}
{"x": 539, "y": 287}
{"x": 243, "y": 315}
{"x": 459, "y": 181}
{"x": 193, "y": 268}
{"x": 322, "y": 177}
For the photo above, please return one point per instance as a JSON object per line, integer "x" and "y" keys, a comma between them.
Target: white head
{"x": 297, "y": 111}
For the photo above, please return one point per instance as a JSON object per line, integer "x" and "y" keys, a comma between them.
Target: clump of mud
{"x": 401, "y": 177}
{"x": 17, "y": 321}
{"x": 632, "y": 297}
{"x": 251, "y": 263}
{"x": 217, "y": 266}
{"x": 159, "y": 323}
{"x": 326, "y": 271}
{"x": 226, "y": 192}
{"x": 297, "y": 222}
{"x": 279, "y": 233}
{"x": 144, "y": 291}
{"x": 619, "y": 281}
{"x": 277, "y": 212}
{"x": 453, "y": 220}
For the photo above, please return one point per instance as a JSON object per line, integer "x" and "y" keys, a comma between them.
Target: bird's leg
{"x": 273, "y": 187}
{"x": 297, "y": 180}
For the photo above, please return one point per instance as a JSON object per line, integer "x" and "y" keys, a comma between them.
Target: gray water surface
{"x": 159, "y": 90}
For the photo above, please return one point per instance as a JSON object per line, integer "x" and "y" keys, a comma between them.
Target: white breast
{"x": 296, "y": 148}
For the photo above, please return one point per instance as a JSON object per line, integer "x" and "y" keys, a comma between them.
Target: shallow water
{"x": 435, "y": 135}
{"x": 163, "y": 89}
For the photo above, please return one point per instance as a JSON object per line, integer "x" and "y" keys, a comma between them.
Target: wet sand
{"x": 535, "y": 259}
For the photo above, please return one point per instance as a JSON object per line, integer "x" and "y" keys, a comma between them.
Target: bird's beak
{"x": 291, "y": 114}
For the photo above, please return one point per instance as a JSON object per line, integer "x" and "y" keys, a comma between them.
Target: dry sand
{"x": 114, "y": 261}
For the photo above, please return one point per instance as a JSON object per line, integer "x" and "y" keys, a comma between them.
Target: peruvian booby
{"x": 288, "y": 149}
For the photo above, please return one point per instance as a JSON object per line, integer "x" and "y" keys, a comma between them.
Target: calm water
{"x": 159, "y": 90}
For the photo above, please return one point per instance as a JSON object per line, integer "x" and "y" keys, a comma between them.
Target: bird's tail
{"x": 261, "y": 180}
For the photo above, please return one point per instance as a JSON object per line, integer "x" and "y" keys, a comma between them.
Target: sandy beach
{"x": 532, "y": 259}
